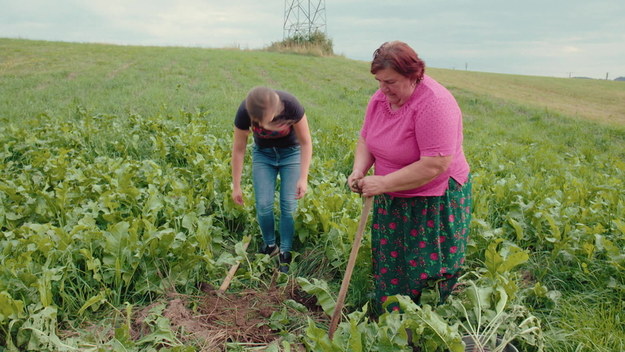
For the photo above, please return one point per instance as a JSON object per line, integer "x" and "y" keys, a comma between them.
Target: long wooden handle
{"x": 233, "y": 270}
{"x": 350, "y": 267}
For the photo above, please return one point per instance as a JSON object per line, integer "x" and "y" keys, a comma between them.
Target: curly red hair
{"x": 400, "y": 57}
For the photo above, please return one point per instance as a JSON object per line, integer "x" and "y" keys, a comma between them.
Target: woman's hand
{"x": 353, "y": 181}
{"x": 301, "y": 188}
{"x": 371, "y": 185}
{"x": 237, "y": 196}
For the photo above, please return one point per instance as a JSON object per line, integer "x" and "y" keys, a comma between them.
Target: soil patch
{"x": 216, "y": 318}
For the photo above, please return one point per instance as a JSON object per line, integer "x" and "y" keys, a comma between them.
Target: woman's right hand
{"x": 353, "y": 179}
{"x": 237, "y": 196}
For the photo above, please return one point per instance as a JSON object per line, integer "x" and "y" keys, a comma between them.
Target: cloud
{"x": 570, "y": 49}
{"x": 143, "y": 22}
{"x": 190, "y": 22}
{"x": 530, "y": 37}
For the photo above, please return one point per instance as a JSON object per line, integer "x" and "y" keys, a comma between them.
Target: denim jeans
{"x": 267, "y": 164}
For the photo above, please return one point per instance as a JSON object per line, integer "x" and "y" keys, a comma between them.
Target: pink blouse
{"x": 428, "y": 124}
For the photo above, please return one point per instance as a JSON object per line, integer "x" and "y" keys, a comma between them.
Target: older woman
{"x": 412, "y": 133}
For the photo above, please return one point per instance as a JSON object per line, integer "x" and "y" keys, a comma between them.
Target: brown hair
{"x": 400, "y": 57}
{"x": 260, "y": 102}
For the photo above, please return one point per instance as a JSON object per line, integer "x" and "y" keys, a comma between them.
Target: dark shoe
{"x": 285, "y": 262}
{"x": 269, "y": 250}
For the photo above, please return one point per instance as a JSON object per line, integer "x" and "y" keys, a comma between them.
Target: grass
{"x": 536, "y": 146}
{"x": 596, "y": 100}
{"x": 54, "y": 79}
{"x": 586, "y": 322}
{"x": 589, "y": 314}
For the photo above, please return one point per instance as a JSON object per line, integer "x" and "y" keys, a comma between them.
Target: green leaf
{"x": 116, "y": 237}
{"x": 10, "y": 308}
{"x": 162, "y": 332}
{"x": 93, "y": 301}
{"x": 423, "y": 321}
{"x": 44, "y": 284}
{"x": 493, "y": 259}
{"x": 296, "y": 306}
{"x": 38, "y": 333}
{"x": 189, "y": 221}
{"x": 498, "y": 264}
{"x": 317, "y": 339}
{"x": 555, "y": 230}
{"x": 355, "y": 337}
{"x": 320, "y": 290}
{"x": 239, "y": 247}
{"x": 518, "y": 229}
{"x": 516, "y": 257}
{"x": 620, "y": 225}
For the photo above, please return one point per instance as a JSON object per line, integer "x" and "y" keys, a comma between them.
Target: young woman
{"x": 282, "y": 147}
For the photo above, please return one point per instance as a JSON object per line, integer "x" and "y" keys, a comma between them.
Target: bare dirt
{"x": 216, "y": 318}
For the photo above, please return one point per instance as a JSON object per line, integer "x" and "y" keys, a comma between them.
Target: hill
{"x": 54, "y": 77}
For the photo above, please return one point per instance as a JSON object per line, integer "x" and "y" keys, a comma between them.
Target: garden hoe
{"x": 350, "y": 267}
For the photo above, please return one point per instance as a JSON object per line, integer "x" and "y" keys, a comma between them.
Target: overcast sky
{"x": 558, "y": 38}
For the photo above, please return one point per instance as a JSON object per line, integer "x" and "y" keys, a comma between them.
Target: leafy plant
{"x": 360, "y": 334}
{"x": 491, "y": 322}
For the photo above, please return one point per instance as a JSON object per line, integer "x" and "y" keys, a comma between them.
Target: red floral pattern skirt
{"x": 419, "y": 242}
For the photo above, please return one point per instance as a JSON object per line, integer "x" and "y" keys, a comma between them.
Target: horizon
{"x": 235, "y": 47}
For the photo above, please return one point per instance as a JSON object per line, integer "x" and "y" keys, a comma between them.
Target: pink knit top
{"x": 428, "y": 124}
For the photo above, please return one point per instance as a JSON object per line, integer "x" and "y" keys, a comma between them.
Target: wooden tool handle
{"x": 233, "y": 270}
{"x": 350, "y": 266}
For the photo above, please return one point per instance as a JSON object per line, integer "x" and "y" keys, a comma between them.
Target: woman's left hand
{"x": 301, "y": 188}
{"x": 372, "y": 185}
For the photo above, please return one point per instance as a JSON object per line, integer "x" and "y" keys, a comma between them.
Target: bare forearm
{"x": 306, "y": 157}
{"x": 363, "y": 160}
{"x": 416, "y": 174}
{"x": 239, "y": 144}
{"x": 302, "y": 132}
{"x": 237, "y": 168}
{"x": 411, "y": 176}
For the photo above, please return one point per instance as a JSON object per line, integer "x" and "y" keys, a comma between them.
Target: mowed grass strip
{"x": 597, "y": 100}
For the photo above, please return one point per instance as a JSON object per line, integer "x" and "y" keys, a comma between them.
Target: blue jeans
{"x": 267, "y": 164}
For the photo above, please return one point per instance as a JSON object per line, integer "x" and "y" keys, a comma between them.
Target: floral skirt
{"x": 419, "y": 242}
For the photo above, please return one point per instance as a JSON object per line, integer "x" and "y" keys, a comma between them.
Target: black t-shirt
{"x": 293, "y": 113}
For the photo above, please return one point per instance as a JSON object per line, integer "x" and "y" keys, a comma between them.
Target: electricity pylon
{"x": 302, "y": 18}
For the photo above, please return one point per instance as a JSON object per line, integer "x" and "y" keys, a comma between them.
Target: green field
{"x": 117, "y": 224}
